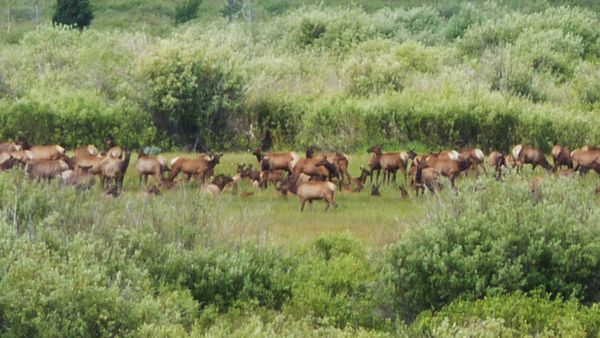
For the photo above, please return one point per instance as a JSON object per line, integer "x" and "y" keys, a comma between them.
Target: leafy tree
{"x": 187, "y": 11}
{"x": 76, "y": 13}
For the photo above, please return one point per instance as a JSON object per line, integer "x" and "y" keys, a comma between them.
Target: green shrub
{"x": 516, "y": 314}
{"x": 499, "y": 240}
{"x": 77, "y": 13}
{"x": 187, "y": 11}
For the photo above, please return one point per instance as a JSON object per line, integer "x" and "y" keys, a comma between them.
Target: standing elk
{"x": 390, "y": 163}
{"x": 201, "y": 167}
{"x": 277, "y": 161}
{"x": 85, "y": 151}
{"x": 561, "y": 156}
{"x": 313, "y": 190}
{"x": 585, "y": 159}
{"x": 10, "y": 146}
{"x": 314, "y": 167}
{"x": 150, "y": 166}
{"x": 449, "y": 167}
{"x": 338, "y": 159}
{"x": 425, "y": 176}
{"x": 476, "y": 156}
{"x": 526, "y": 154}
{"x": 112, "y": 173}
{"x": 497, "y": 160}
{"x": 45, "y": 169}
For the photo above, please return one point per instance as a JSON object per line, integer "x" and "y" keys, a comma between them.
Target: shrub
{"x": 77, "y": 13}
{"x": 499, "y": 240}
{"x": 187, "y": 11}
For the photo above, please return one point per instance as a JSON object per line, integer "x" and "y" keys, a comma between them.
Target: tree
{"x": 76, "y": 13}
{"x": 187, "y": 11}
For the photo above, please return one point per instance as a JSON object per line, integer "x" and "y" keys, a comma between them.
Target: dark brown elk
{"x": 561, "y": 157}
{"x": 270, "y": 176}
{"x": 390, "y": 163}
{"x": 375, "y": 166}
{"x": 150, "y": 166}
{"x": 526, "y": 154}
{"x": 112, "y": 173}
{"x": 45, "y": 169}
{"x": 338, "y": 159}
{"x": 313, "y": 190}
{"x": 476, "y": 156}
{"x": 585, "y": 159}
{"x": 85, "y": 151}
{"x": 49, "y": 152}
{"x": 497, "y": 161}
{"x": 9, "y": 146}
{"x": 201, "y": 167}
{"x": 6, "y": 161}
{"x": 277, "y": 161}
{"x": 360, "y": 181}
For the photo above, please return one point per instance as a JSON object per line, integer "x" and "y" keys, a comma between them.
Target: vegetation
{"x": 76, "y": 13}
{"x": 493, "y": 259}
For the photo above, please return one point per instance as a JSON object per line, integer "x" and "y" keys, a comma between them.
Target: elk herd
{"x": 316, "y": 176}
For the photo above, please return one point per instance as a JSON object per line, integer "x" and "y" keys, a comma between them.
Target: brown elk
{"x": 526, "y": 154}
{"x": 85, "y": 151}
{"x": 49, "y": 152}
{"x": 497, "y": 160}
{"x": 361, "y": 180}
{"x": 81, "y": 180}
{"x": 45, "y": 169}
{"x": 150, "y": 166}
{"x": 390, "y": 163}
{"x": 476, "y": 156}
{"x": 6, "y": 161}
{"x": 201, "y": 167}
{"x": 313, "y": 190}
{"x": 9, "y": 146}
{"x": 277, "y": 161}
{"x": 112, "y": 173}
{"x": 338, "y": 159}
{"x": 585, "y": 159}
{"x": 450, "y": 168}
{"x": 425, "y": 176}
{"x": 561, "y": 156}
{"x": 270, "y": 176}
{"x": 315, "y": 167}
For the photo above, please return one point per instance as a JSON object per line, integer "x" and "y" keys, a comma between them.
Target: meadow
{"x": 493, "y": 259}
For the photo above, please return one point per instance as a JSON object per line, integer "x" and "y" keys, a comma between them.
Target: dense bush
{"x": 499, "y": 240}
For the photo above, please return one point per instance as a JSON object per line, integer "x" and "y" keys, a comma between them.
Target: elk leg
{"x": 302, "y": 207}
{"x": 140, "y": 181}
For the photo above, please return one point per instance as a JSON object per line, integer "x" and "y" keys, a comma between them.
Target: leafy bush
{"x": 77, "y": 13}
{"x": 187, "y": 11}
{"x": 496, "y": 241}
{"x": 515, "y": 314}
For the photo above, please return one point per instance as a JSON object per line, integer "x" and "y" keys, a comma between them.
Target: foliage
{"x": 76, "y": 13}
{"x": 499, "y": 240}
{"x": 187, "y": 11}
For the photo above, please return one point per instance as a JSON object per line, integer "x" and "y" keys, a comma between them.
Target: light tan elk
{"x": 526, "y": 154}
{"x": 584, "y": 159}
{"x": 82, "y": 180}
{"x": 561, "y": 156}
{"x": 313, "y": 190}
{"x": 85, "y": 151}
{"x": 425, "y": 177}
{"x": 9, "y": 146}
{"x": 49, "y": 152}
{"x": 112, "y": 173}
{"x": 45, "y": 169}
{"x": 277, "y": 161}
{"x": 201, "y": 167}
{"x": 150, "y": 166}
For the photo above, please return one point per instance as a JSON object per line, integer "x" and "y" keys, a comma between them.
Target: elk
{"x": 585, "y": 159}
{"x": 390, "y": 163}
{"x": 361, "y": 180}
{"x": 425, "y": 177}
{"x": 6, "y": 161}
{"x": 85, "y": 151}
{"x": 112, "y": 173}
{"x": 150, "y": 166}
{"x": 338, "y": 159}
{"x": 450, "y": 168}
{"x": 561, "y": 156}
{"x": 476, "y": 156}
{"x": 315, "y": 167}
{"x": 81, "y": 180}
{"x": 270, "y": 176}
{"x": 201, "y": 167}
{"x": 313, "y": 190}
{"x": 87, "y": 162}
{"x": 49, "y": 152}
{"x": 526, "y": 154}
{"x": 45, "y": 169}
{"x": 277, "y": 161}
{"x": 9, "y": 146}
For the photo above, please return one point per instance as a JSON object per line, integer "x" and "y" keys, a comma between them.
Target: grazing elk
{"x": 201, "y": 167}
{"x": 277, "y": 161}
{"x": 425, "y": 176}
{"x": 315, "y": 167}
{"x": 361, "y": 180}
{"x": 49, "y": 152}
{"x": 45, "y": 169}
{"x": 450, "y": 168}
{"x": 526, "y": 154}
{"x": 561, "y": 156}
{"x": 476, "y": 156}
{"x": 112, "y": 173}
{"x": 585, "y": 159}
{"x": 82, "y": 180}
{"x": 150, "y": 166}
{"x": 85, "y": 151}
{"x": 7, "y": 161}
